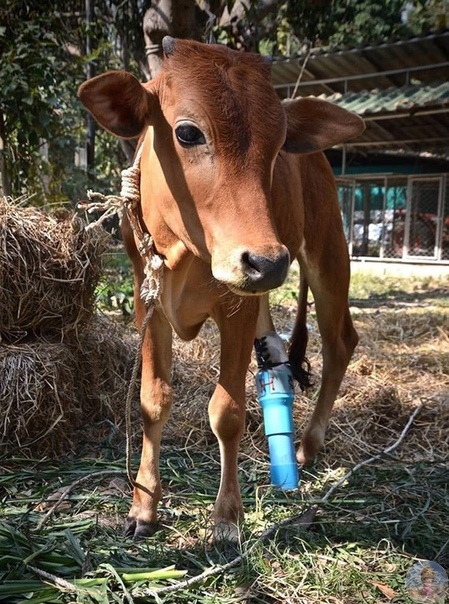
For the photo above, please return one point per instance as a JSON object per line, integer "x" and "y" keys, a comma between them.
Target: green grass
{"x": 371, "y": 531}
{"x": 364, "y": 286}
{"x": 358, "y": 549}
{"x": 115, "y": 291}
{"x": 116, "y": 287}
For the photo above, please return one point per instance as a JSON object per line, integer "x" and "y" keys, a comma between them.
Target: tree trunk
{"x": 90, "y": 73}
{"x": 191, "y": 19}
{"x": 243, "y": 21}
{"x": 167, "y": 18}
{"x": 5, "y": 182}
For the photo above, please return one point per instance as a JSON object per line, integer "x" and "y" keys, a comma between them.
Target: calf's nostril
{"x": 252, "y": 264}
{"x": 265, "y": 273}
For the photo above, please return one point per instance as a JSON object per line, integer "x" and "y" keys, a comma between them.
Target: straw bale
{"x": 55, "y": 397}
{"x": 49, "y": 268}
{"x": 105, "y": 356}
{"x": 38, "y": 395}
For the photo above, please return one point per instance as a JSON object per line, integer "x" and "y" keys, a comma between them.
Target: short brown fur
{"x": 227, "y": 216}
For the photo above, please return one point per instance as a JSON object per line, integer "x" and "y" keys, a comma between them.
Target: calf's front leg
{"x": 227, "y": 409}
{"x": 156, "y": 400}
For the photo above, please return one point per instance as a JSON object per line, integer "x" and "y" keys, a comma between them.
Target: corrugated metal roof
{"x": 410, "y": 99}
{"x": 400, "y": 88}
{"x": 369, "y": 66}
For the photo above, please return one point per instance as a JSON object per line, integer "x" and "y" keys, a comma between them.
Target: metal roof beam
{"x": 395, "y": 116}
{"x": 408, "y": 141}
{"x": 385, "y": 45}
{"x": 363, "y": 76}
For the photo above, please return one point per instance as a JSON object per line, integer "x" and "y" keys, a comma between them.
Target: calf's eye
{"x": 189, "y": 135}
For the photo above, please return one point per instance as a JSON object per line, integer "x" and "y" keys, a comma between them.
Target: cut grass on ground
{"x": 362, "y": 541}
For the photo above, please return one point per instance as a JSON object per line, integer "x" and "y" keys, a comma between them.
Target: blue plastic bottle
{"x": 275, "y": 391}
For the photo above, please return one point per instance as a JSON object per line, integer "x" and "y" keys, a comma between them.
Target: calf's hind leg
{"x": 339, "y": 339}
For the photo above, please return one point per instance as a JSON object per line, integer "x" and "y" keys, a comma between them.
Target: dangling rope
{"x": 129, "y": 200}
{"x": 129, "y": 400}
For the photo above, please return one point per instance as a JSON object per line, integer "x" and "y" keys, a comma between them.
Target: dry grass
{"x": 402, "y": 360}
{"x": 49, "y": 268}
{"x": 63, "y": 367}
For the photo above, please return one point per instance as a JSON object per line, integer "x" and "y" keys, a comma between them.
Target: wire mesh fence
{"x": 396, "y": 216}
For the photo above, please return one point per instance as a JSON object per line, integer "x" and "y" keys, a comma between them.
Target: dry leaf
{"x": 387, "y": 591}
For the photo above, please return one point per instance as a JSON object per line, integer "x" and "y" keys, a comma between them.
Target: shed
{"x": 394, "y": 178}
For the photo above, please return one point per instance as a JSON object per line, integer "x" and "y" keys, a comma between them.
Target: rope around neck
{"x": 129, "y": 200}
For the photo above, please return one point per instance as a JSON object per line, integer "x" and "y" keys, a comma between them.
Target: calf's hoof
{"x": 225, "y": 532}
{"x": 302, "y": 459}
{"x": 139, "y": 529}
{"x": 311, "y": 443}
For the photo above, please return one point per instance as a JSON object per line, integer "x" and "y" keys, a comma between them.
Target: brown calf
{"x": 233, "y": 187}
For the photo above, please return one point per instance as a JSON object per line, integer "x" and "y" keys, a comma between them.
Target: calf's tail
{"x": 300, "y": 365}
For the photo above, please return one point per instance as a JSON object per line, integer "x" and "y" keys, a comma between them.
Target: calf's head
{"x": 216, "y": 128}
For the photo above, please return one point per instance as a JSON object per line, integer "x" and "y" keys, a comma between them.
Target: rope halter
{"x": 129, "y": 200}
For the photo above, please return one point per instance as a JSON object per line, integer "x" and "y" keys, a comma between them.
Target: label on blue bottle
{"x": 273, "y": 381}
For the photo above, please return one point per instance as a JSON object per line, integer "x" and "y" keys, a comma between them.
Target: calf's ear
{"x": 314, "y": 125}
{"x": 119, "y": 102}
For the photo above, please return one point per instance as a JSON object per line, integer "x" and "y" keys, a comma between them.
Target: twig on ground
{"x": 69, "y": 489}
{"x": 43, "y": 574}
{"x": 365, "y": 462}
